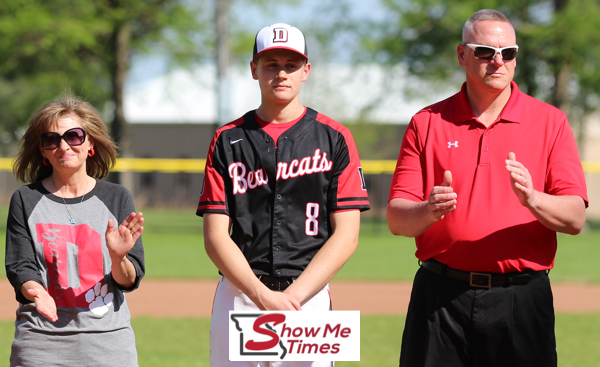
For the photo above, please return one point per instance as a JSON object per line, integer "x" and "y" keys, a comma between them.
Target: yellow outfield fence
{"x": 160, "y": 165}
{"x": 372, "y": 167}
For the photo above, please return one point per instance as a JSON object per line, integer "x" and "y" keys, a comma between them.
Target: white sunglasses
{"x": 489, "y": 52}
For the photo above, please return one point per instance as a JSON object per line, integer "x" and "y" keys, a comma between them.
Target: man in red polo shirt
{"x": 484, "y": 181}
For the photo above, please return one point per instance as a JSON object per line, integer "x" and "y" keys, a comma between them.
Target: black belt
{"x": 276, "y": 284}
{"x": 482, "y": 280}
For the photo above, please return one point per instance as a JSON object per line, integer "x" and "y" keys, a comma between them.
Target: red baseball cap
{"x": 280, "y": 36}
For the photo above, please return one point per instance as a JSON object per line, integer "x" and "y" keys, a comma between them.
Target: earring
{"x": 91, "y": 152}
{"x": 46, "y": 161}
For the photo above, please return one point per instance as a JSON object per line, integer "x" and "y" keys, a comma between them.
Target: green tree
{"x": 45, "y": 50}
{"x": 136, "y": 26}
{"x": 48, "y": 47}
{"x": 558, "y": 57}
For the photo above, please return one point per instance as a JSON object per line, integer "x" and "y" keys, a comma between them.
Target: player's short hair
{"x": 29, "y": 166}
{"x": 482, "y": 15}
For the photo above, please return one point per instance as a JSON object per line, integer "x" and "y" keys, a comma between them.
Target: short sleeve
{"x": 349, "y": 190}
{"x": 212, "y": 197}
{"x": 407, "y": 181}
{"x": 565, "y": 174}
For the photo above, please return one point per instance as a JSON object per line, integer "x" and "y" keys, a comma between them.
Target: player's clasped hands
{"x": 442, "y": 199}
{"x": 520, "y": 180}
{"x": 277, "y": 301}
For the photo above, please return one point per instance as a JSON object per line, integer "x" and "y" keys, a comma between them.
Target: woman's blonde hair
{"x": 29, "y": 166}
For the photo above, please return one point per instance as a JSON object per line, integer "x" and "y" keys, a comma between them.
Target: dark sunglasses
{"x": 489, "y": 52}
{"x": 73, "y": 137}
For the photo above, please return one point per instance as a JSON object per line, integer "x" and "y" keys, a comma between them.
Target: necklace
{"x": 72, "y": 221}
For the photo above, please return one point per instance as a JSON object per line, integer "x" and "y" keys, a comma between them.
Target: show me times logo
{"x": 294, "y": 336}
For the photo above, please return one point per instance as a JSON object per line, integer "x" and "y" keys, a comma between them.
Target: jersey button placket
{"x": 278, "y": 233}
{"x": 486, "y": 147}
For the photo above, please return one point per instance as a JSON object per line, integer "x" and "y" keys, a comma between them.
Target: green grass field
{"x": 174, "y": 250}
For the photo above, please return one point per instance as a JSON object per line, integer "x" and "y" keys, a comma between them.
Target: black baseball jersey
{"x": 279, "y": 199}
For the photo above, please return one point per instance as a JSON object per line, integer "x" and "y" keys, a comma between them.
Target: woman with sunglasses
{"x": 67, "y": 257}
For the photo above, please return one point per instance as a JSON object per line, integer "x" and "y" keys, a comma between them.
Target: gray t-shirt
{"x": 72, "y": 262}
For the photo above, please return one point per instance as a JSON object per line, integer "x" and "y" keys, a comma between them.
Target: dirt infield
{"x": 156, "y": 297}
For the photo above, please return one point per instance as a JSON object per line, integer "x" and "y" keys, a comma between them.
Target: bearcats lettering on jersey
{"x": 243, "y": 182}
{"x": 280, "y": 199}
{"x": 304, "y": 166}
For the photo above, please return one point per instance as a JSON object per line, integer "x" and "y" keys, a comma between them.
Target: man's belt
{"x": 276, "y": 284}
{"x": 482, "y": 280}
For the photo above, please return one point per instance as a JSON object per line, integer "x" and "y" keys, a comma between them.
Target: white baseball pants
{"x": 229, "y": 298}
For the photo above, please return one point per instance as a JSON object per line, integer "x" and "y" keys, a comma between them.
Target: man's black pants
{"x": 449, "y": 323}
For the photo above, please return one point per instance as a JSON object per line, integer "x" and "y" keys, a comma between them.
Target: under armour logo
{"x": 455, "y": 144}
{"x": 280, "y": 35}
{"x": 234, "y": 141}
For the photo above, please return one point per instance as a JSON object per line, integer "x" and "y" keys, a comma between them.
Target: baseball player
{"x": 282, "y": 195}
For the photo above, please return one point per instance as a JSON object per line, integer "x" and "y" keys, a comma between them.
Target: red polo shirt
{"x": 489, "y": 230}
